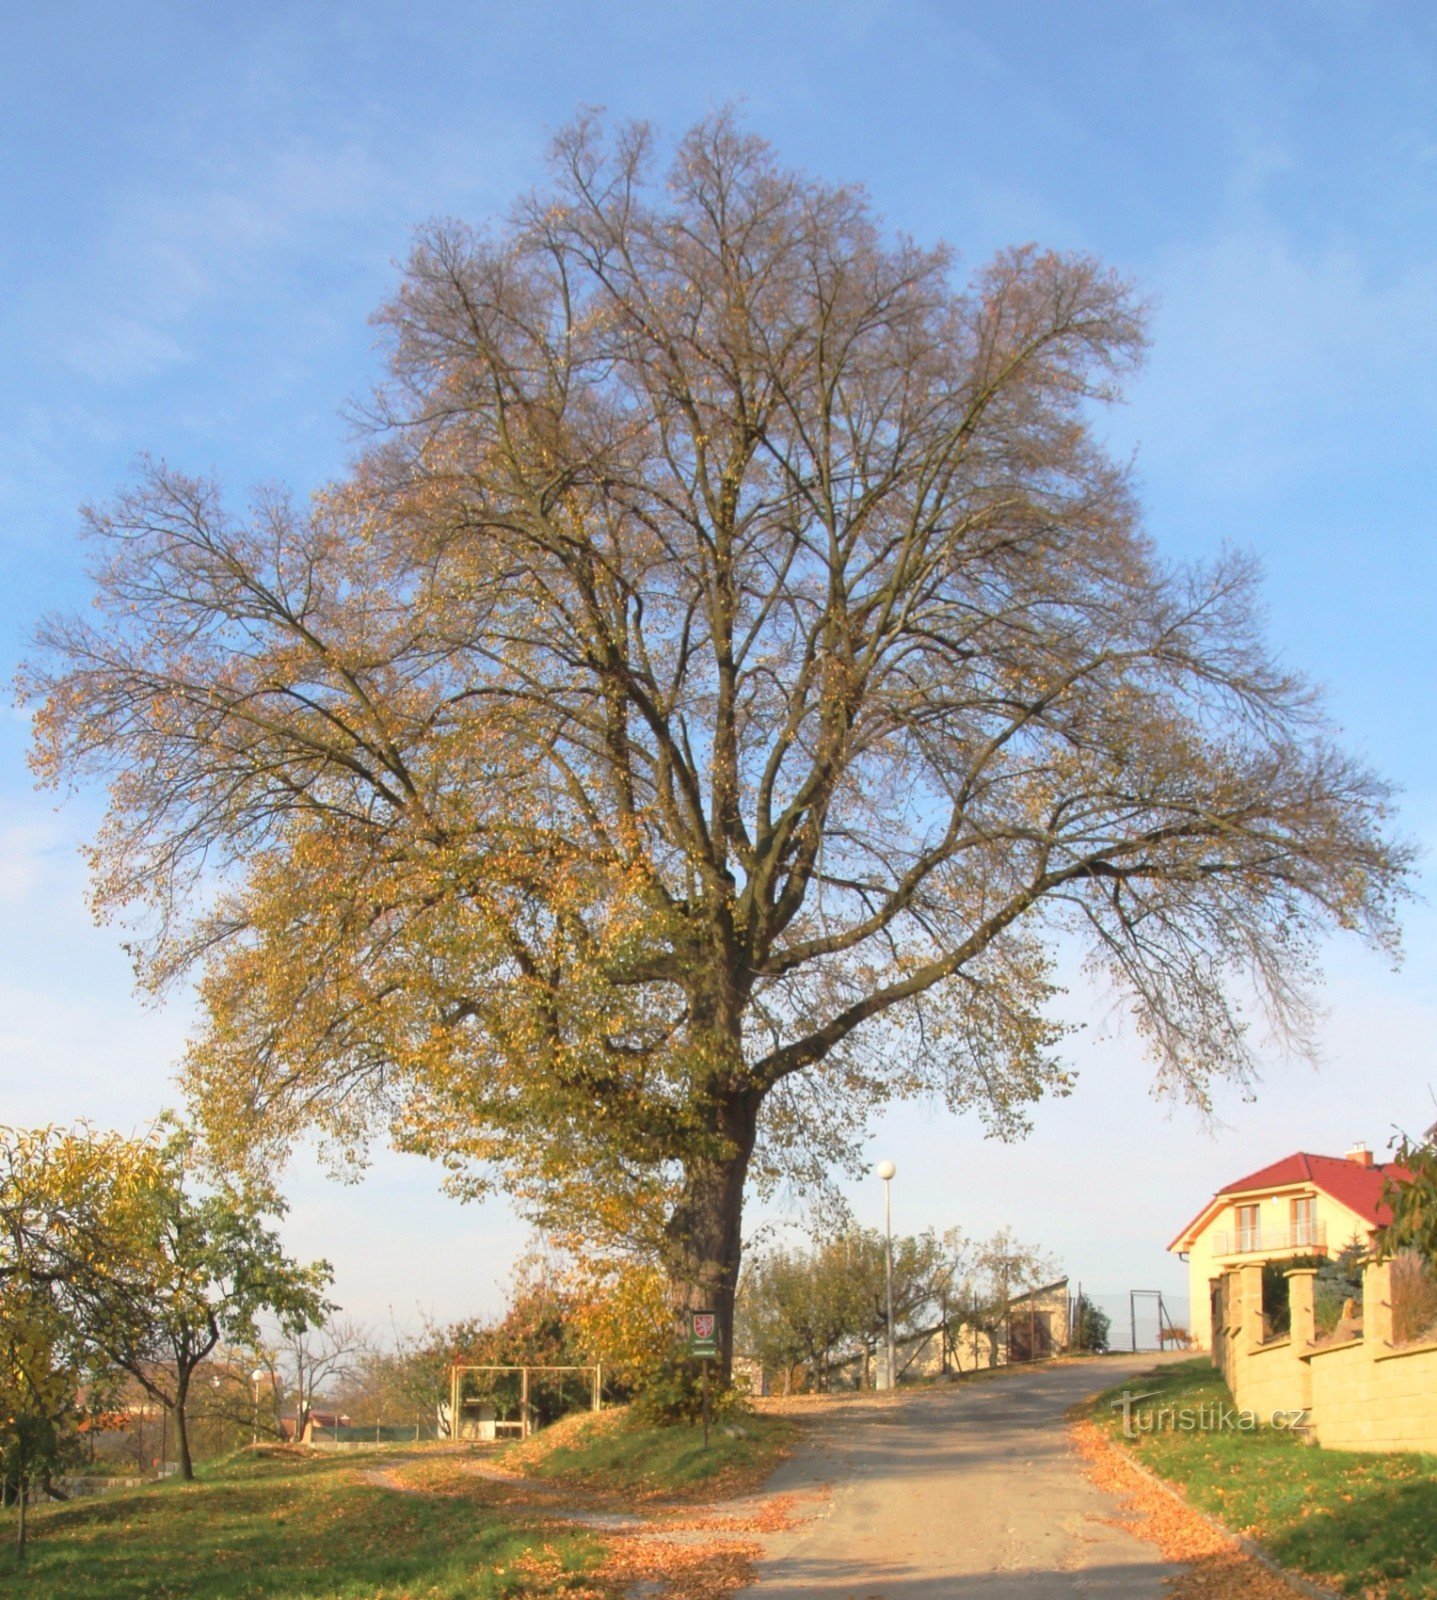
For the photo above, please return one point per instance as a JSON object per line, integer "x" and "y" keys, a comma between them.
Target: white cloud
{"x": 1268, "y": 360}
{"x": 28, "y": 852}
{"x": 121, "y": 350}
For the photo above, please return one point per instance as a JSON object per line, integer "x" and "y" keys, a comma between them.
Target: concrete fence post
{"x": 1377, "y": 1305}
{"x": 1228, "y": 1316}
{"x": 1250, "y": 1276}
{"x": 1301, "y": 1301}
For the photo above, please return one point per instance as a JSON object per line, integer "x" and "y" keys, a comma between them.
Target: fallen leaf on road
{"x": 1218, "y": 1567}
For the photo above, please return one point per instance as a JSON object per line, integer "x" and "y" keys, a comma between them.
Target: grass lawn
{"x": 287, "y": 1527}
{"x": 608, "y": 1454}
{"x": 1363, "y": 1524}
{"x": 377, "y": 1524}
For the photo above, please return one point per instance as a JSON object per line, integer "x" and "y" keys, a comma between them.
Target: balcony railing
{"x": 1271, "y": 1241}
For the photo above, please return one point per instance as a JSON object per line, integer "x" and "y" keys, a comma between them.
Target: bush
{"x": 1414, "y": 1298}
{"x": 672, "y": 1393}
{"x": 1091, "y": 1326}
{"x": 1338, "y": 1281}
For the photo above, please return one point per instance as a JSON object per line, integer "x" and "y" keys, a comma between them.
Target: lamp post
{"x": 886, "y": 1171}
{"x": 255, "y": 1376}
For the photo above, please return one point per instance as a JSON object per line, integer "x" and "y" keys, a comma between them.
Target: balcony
{"x": 1309, "y": 1238}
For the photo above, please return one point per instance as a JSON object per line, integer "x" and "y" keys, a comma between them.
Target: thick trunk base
{"x": 705, "y": 1234}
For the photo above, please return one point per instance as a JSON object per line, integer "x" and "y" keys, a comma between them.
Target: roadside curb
{"x": 1249, "y": 1547}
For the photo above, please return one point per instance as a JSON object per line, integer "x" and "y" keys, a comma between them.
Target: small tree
{"x": 147, "y": 1273}
{"x": 622, "y": 1318}
{"x": 989, "y": 1274}
{"x": 813, "y": 1307}
{"x": 1091, "y": 1327}
{"x": 922, "y": 1270}
{"x": 322, "y": 1357}
{"x": 405, "y": 1380}
{"x": 797, "y": 1307}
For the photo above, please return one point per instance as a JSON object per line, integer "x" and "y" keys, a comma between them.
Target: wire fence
{"x": 359, "y": 1433}
{"x": 1142, "y": 1320}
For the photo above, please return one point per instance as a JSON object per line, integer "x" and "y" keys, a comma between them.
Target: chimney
{"x": 1361, "y": 1155}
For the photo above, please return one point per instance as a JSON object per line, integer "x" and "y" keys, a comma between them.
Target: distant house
{"x": 301, "y": 1428}
{"x": 1031, "y": 1326}
{"x": 1304, "y": 1205}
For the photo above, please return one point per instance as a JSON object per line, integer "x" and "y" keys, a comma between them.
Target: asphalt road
{"x": 957, "y": 1493}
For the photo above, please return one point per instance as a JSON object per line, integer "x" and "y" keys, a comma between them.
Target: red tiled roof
{"x": 1357, "y": 1187}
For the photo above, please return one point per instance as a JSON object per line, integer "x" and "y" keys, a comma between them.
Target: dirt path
{"x": 958, "y": 1493}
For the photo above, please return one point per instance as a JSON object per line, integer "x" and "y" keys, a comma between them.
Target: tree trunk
{"x": 20, "y": 1530}
{"x": 182, "y": 1428}
{"x": 704, "y": 1234}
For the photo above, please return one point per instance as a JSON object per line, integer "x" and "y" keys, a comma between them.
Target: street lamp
{"x": 255, "y": 1376}
{"x": 886, "y": 1171}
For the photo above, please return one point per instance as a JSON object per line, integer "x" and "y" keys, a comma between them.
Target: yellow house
{"x": 1303, "y": 1205}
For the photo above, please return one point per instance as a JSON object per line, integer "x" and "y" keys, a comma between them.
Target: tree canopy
{"x": 1410, "y": 1195}
{"x": 728, "y": 668}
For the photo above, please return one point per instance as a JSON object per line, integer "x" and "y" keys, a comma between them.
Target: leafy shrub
{"x": 1091, "y": 1326}
{"x": 1277, "y": 1293}
{"x": 1338, "y": 1281}
{"x": 672, "y": 1392}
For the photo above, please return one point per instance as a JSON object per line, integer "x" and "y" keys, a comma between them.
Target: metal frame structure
{"x": 1166, "y": 1329}
{"x": 526, "y": 1423}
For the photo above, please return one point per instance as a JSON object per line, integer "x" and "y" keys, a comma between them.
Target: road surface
{"x": 955, "y": 1494}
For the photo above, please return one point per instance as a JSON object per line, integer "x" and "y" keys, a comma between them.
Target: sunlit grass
{"x": 1365, "y": 1524}
{"x": 288, "y": 1527}
{"x": 611, "y": 1454}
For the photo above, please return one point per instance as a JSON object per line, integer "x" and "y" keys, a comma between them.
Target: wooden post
{"x": 706, "y": 1404}
{"x": 524, "y": 1403}
{"x": 598, "y": 1386}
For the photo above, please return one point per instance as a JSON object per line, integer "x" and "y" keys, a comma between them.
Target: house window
{"x": 1249, "y": 1227}
{"x": 1304, "y": 1220}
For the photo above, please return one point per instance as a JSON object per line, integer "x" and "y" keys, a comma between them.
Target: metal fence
{"x": 1143, "y": 1319}
{"x": 359, "y": 1433}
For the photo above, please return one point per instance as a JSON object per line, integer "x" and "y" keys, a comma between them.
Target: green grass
{"x": 293, "y": 1528}
{"x": 285, "y": 1525}
{"x": 609, "y": 1454}
{"x": 1364, "y": 1524}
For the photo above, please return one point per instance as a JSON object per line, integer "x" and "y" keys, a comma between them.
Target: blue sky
{"x": 200, "y": 207}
